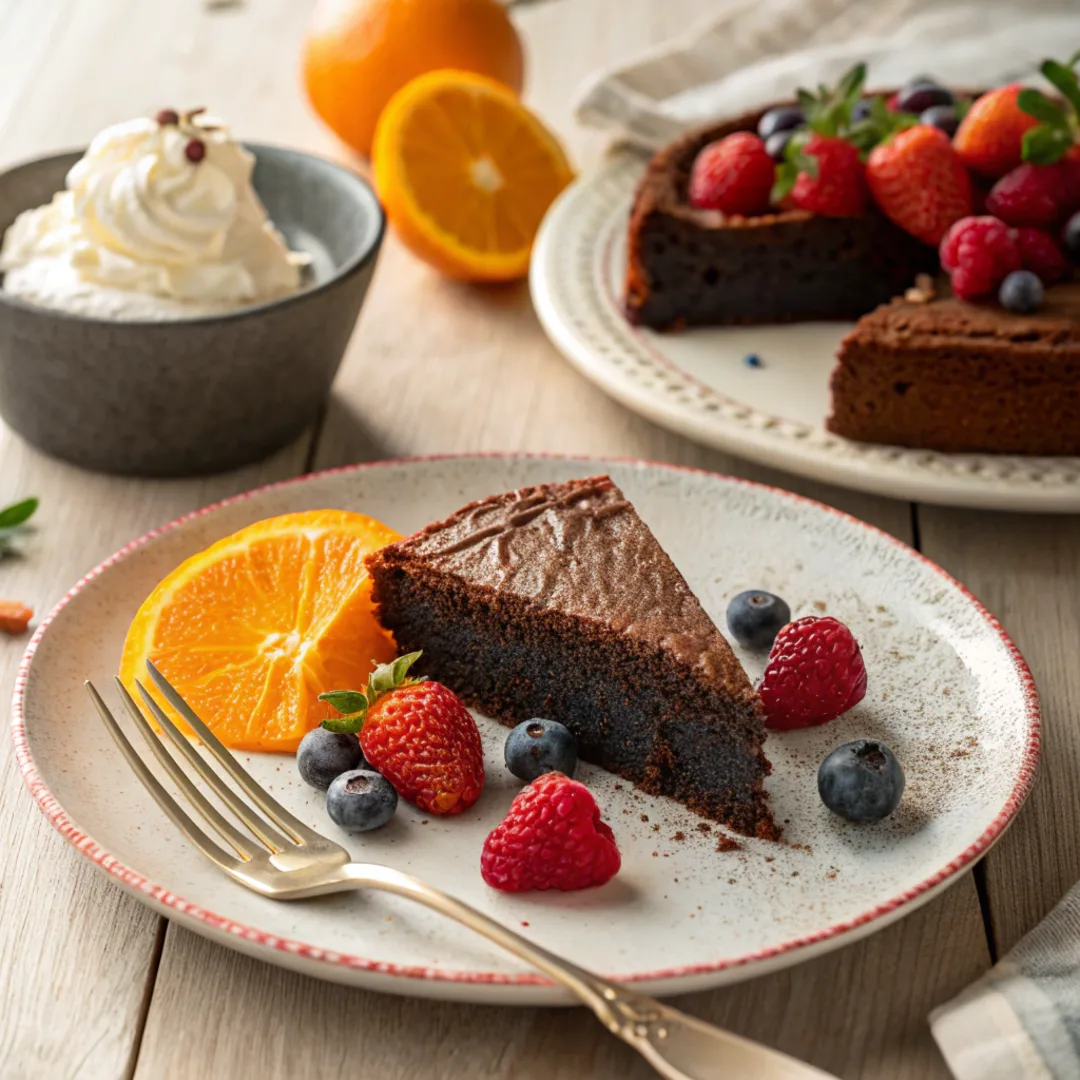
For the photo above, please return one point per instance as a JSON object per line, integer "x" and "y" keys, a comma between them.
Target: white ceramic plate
{"x": 948, "y": 692}
{"x": 697, "y": 383}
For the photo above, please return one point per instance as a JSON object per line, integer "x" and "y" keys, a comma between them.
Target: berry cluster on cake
{"x": 947, "y": 223}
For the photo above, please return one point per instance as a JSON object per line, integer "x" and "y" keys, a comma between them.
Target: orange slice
{"x": 254, "y": 628}
{"x": 466, "y": 174}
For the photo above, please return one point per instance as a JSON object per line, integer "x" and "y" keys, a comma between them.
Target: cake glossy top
{"x": 581, "y": 549}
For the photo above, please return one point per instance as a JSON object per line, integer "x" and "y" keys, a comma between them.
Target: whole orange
{"x": 360, "y": 52}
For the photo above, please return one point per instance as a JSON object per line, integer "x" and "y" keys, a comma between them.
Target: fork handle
{"x": 678, "y": 1046}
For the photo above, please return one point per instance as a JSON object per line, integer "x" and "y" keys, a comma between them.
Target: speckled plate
{"x": 948, "y": 691}
{"x": 697, "y": 383}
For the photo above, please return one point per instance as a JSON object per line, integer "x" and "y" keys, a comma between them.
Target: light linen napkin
{"x": 759, "y": 51}
{"x": 1021, "y": 1021}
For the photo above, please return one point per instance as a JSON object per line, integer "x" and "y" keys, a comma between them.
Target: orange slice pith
{"x": 466, "y": 174}
{"x": 252, "y": 630}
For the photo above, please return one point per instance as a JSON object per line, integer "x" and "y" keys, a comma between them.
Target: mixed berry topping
{"x": 733, "y": 175}
{"x": 861, "y": 781}
{"x": 919, "y": 182}
{"x": 978, "y": 253}
{"x": 1021, "y": 292}
{"x": 928, "y": 159}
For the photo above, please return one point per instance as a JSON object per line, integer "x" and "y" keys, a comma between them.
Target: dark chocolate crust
{"x": 963, "y": 377}
{"x": 689, "y": 267}
{"x": 558, "y": 601}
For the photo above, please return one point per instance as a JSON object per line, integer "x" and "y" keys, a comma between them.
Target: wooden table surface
{"x": 92, "y": 984}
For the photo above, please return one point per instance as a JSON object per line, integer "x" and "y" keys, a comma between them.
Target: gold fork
{"x": 287, "y": 860}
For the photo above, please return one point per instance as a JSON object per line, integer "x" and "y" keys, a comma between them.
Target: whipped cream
{"x": 161, "y": 213}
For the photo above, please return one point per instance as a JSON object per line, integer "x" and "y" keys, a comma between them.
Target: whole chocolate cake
{"x": 691, "y": 267}
{"x": 558, "y": 601}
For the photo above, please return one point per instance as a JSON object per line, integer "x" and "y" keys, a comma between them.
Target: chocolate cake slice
{"x": 963, "y": 377}
{"x": 557, "y": 601}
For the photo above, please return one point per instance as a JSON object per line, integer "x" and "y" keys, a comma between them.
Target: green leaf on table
{"x": 18, "y": 513}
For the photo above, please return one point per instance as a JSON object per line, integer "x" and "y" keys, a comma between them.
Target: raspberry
{"x": 839, "y": 188}
{"x": 815, "y": 672}
{"x": 978, "y": 252}
{"x": 551, "y": 838}
{"x": 1040, "y": 254}
{"x": 1034, "y": 195}
{"x": 734, "y": 175}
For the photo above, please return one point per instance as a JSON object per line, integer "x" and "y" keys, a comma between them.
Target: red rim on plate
{"x": 172, "y": 903}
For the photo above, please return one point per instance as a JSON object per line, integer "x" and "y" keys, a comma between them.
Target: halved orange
{"x": 466, "y": 174}
{"x": 252, "y": 630}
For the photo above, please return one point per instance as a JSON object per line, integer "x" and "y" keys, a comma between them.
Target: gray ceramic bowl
{"x": 194, "y": 395}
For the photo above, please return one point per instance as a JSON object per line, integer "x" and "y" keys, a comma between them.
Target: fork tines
{"x": 282, "y": 831}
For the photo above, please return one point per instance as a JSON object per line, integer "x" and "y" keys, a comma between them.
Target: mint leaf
{"x": 17, "y": 513}
{"x": 345, "y": 701}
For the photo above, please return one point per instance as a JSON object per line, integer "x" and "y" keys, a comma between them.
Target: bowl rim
{"x": 351, "y": 266}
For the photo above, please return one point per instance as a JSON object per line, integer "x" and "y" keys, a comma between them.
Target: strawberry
{"x": 836, "y": 184}
{"x": 551, "y": 838}
{"x": 734, "y": 175}
{"x": 822, "y": 171}
{"x": 979, "y": 253}
{"x": 815, "y": 672}
{"x": 919, "y": 183}
{"x": 1032, "y": 195}
{"x": 990, "y": 137}
{"x": 418, "y": 734}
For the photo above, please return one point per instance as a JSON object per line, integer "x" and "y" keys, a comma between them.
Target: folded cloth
{"x": 760, "y": 51}
{"x": 1021, "y": 1021}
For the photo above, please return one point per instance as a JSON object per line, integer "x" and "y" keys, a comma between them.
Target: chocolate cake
{"x": 957, "y": 376}
{"x": 690, "y": 267}
{"x": 557, "y": 601}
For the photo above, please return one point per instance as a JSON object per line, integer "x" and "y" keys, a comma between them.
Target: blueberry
{"x": 917, "y": 97}
{"x": 861, "y": 781}
{"x": 752, "y": 360}
{"x": 860, "y": 110}
{"x": 323, "y": 754}
{"x": 1071, "y": 235}
{"x": 540, "y": 746}
{"x": 1022, "y": 292}
{"x": 941, "y": 116}
{"x": 776, "y": 143}
{"x": 361, "y": 800}
{"x": 782, "y": 118}
{"x": 755, "y": 617}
